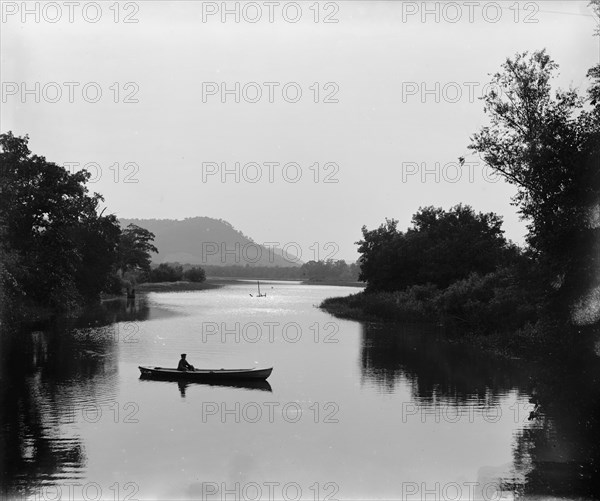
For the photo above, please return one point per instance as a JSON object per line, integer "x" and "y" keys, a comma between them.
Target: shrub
{"x": 195, "y": 274}
{"x": 165, "y": 272}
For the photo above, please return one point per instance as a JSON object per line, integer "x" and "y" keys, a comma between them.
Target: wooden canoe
{"x": 206, "y": 374}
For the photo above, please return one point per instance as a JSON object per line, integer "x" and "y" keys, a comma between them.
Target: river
{"x": 351, "y": 411}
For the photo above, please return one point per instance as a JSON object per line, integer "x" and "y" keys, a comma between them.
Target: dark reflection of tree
{"x": 110, "y": 312}
{"x": 46, "y": 377}
{"x": 562, "y": 449}
{"x": 28, "y": 446}
{"x": 435, "y": 368}
{"x": 557, "y": 453}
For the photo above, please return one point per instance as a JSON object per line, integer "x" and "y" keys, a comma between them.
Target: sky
{"x": 297, "y": 122}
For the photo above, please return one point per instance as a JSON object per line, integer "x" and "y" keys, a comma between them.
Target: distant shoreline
{"x": 177, "y": 286}
{"x": 217, "y": 283}
{"x": 233, "y": 280}
{"x": 334, "y": 282}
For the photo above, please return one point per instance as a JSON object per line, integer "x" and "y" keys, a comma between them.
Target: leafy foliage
{"x": 165, "y": 272}
{"x": 334, "y": 270}
{"x": 440, "y": 248}
{"x": 194, "y": 274}
{"x": 61, "y": 250}
{"x": 135, "y": 246}
{"x": 548, "y": 145}
{"x": 57, "y": 251}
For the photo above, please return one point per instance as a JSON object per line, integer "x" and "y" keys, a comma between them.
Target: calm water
{"x": 351, "y": 411}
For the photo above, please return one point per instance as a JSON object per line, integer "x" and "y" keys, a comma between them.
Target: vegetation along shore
{"x": 455, "y": 268}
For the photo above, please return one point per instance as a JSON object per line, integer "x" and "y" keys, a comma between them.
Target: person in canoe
{"x": 184, "y": 365}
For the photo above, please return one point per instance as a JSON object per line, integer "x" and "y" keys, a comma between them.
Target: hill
{"x": 208, "y": 241}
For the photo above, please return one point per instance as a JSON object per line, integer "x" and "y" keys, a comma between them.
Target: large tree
{"x": 547, "y": 143}
{"x": 135, "y": 246}
{"x": 440, "y": 248}
{"x": 61, "y": 250}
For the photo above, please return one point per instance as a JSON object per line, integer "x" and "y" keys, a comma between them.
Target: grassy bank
{"x": 333, "y": 282}
{"x": 499, "y": 324}
{"x": 178, "y": 286}
{"x": 378, "y": 307}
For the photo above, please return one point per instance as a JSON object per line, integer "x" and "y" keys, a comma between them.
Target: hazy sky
{"x": 402, "y": 80}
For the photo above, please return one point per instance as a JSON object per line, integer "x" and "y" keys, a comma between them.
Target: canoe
{"x": 206, "y": 374}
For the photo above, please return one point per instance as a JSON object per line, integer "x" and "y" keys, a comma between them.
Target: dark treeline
{"x": 456, "y": 267}
{"x": 58, "y": 251}
{"x": 166, "y": 272}
{"x": 313, "y": 271}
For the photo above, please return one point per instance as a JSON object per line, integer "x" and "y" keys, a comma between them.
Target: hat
{"x": 183, "y": 354}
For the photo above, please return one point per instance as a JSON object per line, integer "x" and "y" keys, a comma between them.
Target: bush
{"x": 195, "y": 274}
{"x": 411, "y": 305}
{"x": 166, "y": 273}
{"x": 114, "y": 285}
{"x": 504, "y": 302}
{"x": 496, "y": 302}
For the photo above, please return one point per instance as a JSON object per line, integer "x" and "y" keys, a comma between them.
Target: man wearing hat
{"x": 184, "y": 365}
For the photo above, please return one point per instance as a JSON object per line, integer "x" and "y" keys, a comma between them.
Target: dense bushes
{"x": 499, "y": 301}
{"x": 440, "y": 247}
{"x": 165, "y": 272}
{"x": 195, "y": 274}
{"x": 329, "y": 270}
{"x": 502, "y": 301}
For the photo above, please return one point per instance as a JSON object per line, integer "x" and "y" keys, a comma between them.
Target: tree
{"x": 165, "y": 272}
{"x": 60, "y": 249}
{"x": 135, "y": 246}
{"x": 440, "y": 248}
{"x": 331, "y": 269}
{"x": 548, "y": 145}
{"x": 195, "y": 274}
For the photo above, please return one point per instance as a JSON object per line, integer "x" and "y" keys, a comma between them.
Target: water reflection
{"x": 560, "y": 454}
{"x": 556, "y": 452}
{"x": 46, "y": 378}
{"x": 184, "y": 385}
{"x": 435, "y": 368}
{"x": 42, "y": 381}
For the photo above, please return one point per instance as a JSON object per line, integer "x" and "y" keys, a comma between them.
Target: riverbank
{"x": 179, "y": 286}
{"x": 530, "y": 340}
{"x": 234, "y": 280}
{"x": 333, "y": 282}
